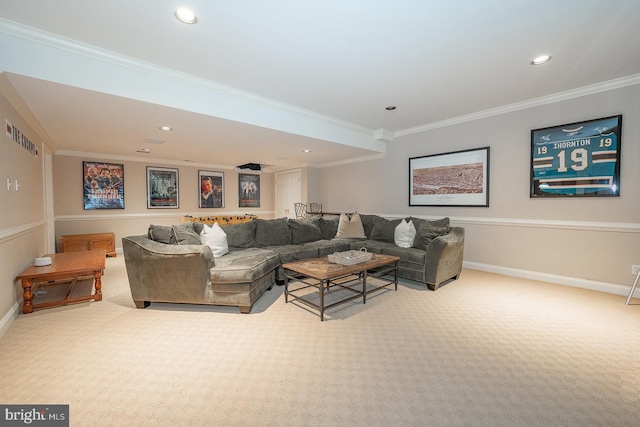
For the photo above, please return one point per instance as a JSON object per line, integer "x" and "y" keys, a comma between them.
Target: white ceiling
{"x": 321, "y": 73}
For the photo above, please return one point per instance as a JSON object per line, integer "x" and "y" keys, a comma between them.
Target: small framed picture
{"x": 103, "y": 185}
{"x": 162, "y": 188}
{"x": 248, "y": 190}
{"x": 458, "y": 178}
{"x": 211, "y": 189}
{"x": 579, "y": 159}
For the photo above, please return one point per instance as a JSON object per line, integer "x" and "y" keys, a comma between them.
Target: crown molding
{"x": 536, "y": 102}
{"x": 112, "y": 157}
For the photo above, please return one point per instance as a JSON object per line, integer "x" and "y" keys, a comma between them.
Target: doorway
{"x": 288, "y": 192}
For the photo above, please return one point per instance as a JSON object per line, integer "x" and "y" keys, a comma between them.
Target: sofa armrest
{"x": 444, "y": 257}
{"x": 166, "y": 273}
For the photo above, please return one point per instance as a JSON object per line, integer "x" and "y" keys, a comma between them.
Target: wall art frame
{"x": 580, "y": 159}
{"x": 248, "y": 190}
{"x": 211, "y": 189}
{"x": 162, "y": 188}
{"x": 103, "y": 185}
{"x": 456, "y": 178}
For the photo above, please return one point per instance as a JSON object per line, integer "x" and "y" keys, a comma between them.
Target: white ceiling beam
{"x": 34, "y": 53}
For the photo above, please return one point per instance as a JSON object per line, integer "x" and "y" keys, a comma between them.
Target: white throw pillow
{"x": 350, "y": 228}
{"x": 404, "y": 234}
{"x": 215, "y": 237}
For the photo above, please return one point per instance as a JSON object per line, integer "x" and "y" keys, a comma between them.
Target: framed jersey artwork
{"x": 577, "y": 159}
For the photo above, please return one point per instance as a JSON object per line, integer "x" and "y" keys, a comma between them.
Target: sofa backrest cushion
{"x": 384, "y": 229}
{"x": 350, "y": 228}
{"x": 160, "y": 233}
{"x": 426, "y": 231}
{"x": 367, "y": 223}
{"x": 184, "y": 234}
{"x": 240, "y": 236}
{"x": 272, "y": 232}
{"x": 305, "y": 230}
{"x": 329, "y": 226}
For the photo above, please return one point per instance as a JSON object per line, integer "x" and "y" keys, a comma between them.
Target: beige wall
{"x": 71, "y": 218}
{"x": 589, "y": 239}
{"x": 23, "y": 228}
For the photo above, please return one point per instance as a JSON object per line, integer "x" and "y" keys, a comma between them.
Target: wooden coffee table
{"x": 328, "y": 277}
{"x": 65, "y": 267}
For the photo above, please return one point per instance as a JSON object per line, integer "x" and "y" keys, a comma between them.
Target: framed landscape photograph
{"x": 579, "y": 159}
{"x": 162, "y": 187}
{"x": 248, "y": 190}
{"x": 211, "y": 189}
{"x": 103, "y": 185}
{"x": 457, "y": 178}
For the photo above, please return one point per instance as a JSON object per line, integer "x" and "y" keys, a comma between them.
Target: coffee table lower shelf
{"x": 329, "y": 278}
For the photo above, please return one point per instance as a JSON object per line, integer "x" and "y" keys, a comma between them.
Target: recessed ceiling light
{"x": 186, "y": 16}
{"x": 143, "y": 150}
{"x": 390, "y": 108}
{"x": 165, "y": 128}
{"x": 306, "y": 151}
{"x": 541, "y": 60}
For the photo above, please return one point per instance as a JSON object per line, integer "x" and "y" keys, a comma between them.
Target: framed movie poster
{"x": 211, "y": 189}
{"x": 162, "y": 187}
{"x": 458, "y": 178}
{"x": 579, "y": 159}
{"x": 103, "y": 185}
{"x": 248, "y": 190}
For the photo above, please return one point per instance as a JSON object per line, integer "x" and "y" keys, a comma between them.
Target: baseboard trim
{"x": 9, "y": 318}
{"x": 611, "y": 288}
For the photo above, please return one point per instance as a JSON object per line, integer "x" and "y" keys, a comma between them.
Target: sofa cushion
{"x": 384, "y": 229}
{"x": 290, "y": 253}
{"x": 367, "y": 223}
{"x": 160, "y": 233}
{"x": 305, "y": 230}
{"x": 375, "y": 246}
{"x": 327, "y": 247}
{"x": 404, "y": 234}
{"x": 183, "y": 234}
{"x": 271, "y": 232}
{"x": 215, "y": 238}
{"x": 329, "y": 226}
{"x": 243, "y": 266}
{"x": 240, "y": 235}
{"x": 426, "y": 231}
{"x": 350, "y": 228}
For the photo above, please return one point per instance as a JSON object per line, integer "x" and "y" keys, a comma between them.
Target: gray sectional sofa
{"x": 169, "y": 264}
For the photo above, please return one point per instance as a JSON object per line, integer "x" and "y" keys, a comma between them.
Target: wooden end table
{"x": 326, "y": 277}
{"x": 69, "y": 266}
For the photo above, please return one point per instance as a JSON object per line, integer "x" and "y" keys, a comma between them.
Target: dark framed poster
{"x": 457, "y": 178}
{"x": 103, "y": 185}
{"x": 162, "y": 188}
{"x": 579, "y": 159}
{"x": 248, "y": 190}
{"x": 211, "y": 189}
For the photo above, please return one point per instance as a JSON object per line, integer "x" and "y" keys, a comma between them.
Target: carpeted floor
{"x": 485, "y": 350}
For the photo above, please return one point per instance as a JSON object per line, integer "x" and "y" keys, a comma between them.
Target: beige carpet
{"x": 485, "y": 350}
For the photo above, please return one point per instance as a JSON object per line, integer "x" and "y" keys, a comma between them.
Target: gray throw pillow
{"x": 329, "y": 227}
{"x": 367, "y": 223}
{"x": 272, "y": 232}
{"x": 426, "y": 231}
{"x": 160, "y": 233}
{"x": 184, "y": 234}
{"x": 384, "y": 229}
{"x": 240, "y": 235}
{"x": 305, "y": 230}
